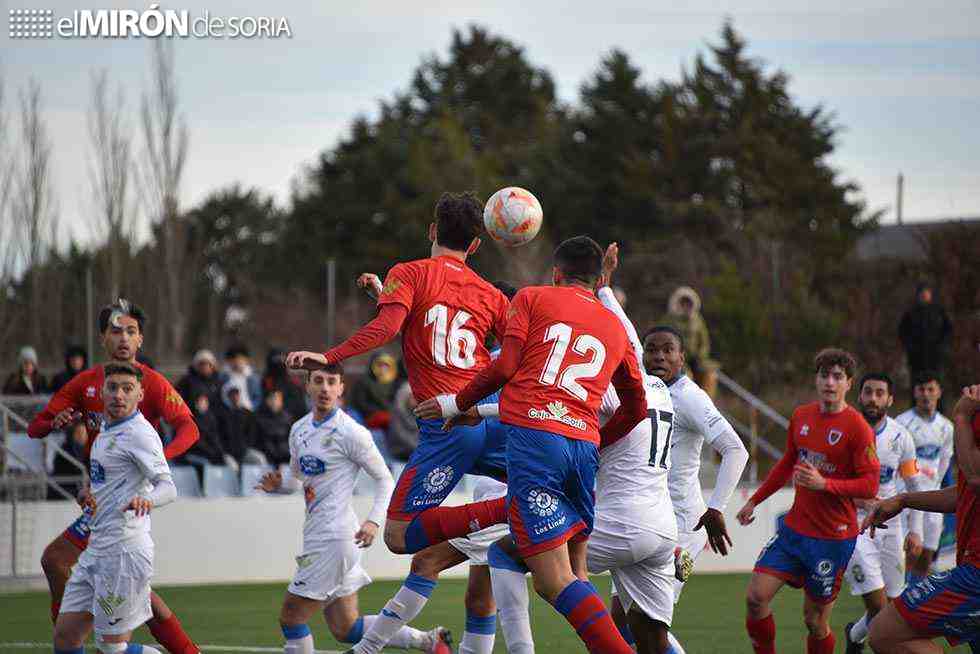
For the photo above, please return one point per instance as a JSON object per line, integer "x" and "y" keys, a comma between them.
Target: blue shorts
{"x": 815, "y": 564}
{"x": 945, "y": 604}
{"x": 442, "y": 458}
{"x": 550, "y": 488}
{"x": 78, "y": 532}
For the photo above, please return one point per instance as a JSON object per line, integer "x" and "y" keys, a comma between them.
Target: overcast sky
{"x": 903, "y": 82}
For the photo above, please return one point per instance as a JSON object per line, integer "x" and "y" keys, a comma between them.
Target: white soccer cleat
{"x": 438, "y": 641}
{"x": 683, "y": 564}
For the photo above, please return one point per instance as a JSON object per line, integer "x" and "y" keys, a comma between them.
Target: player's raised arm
{"x": 61, "y": 410}
{"x": 967, "y": 451}
{"x": 628, "y": 382}
{"x": 610, "y": 262}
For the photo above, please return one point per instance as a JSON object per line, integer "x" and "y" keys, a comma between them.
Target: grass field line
{"x": 205, "y": 648}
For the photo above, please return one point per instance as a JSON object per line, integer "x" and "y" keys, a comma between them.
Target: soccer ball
{"x": 512, "y": 216}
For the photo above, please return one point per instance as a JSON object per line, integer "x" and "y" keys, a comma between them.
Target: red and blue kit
{"x": 814, "y": 543}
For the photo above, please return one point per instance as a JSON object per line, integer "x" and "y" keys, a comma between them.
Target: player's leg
{"x": 816, "y": 616}
{"x": 294, "y": 620}
{"x": 119, "y": 644}
{"x": 646, "y": 590}
{"x": 71, "y": 629}
{"x": 932, "y": 530}
{"x": 59, "y": 557}
{"x": 167, "y": 629}
{"x": 825, "y": 562}
{"x": 759, "y": 622}
{"x": 122, "y": 599}
{"x": 508, "y": 576}
{"x": 481, "y": 613}
{"x": 865, "y": 577}
{"x": 891, "y": 634}
{"x": 409, "y": 601}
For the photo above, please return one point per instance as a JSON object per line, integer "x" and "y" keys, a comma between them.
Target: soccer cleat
{"x": 440, "y": 641}
{"x": 852, "y": 647}
{"x": 683, "y": 564}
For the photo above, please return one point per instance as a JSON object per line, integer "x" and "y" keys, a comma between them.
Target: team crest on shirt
{"x": 90, "y": 391}
{"x": 834, "y": 436}
{"x": 542, "y": 503}
{"x": 437, "y": 479}
{"x": 804, "y": 430}
{"x": 391, "y": 287}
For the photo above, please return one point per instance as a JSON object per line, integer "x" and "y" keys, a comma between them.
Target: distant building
{"x": 905, "y": 242}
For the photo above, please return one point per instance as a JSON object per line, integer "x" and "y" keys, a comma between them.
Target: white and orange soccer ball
{"x": 512, "y": 216}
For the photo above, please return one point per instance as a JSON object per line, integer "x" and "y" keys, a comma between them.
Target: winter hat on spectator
{"x": 205, "y": 355}
{"x": 27, "y": 353}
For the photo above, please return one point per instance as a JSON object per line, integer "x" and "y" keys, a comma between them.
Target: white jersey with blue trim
{"x": 933, "y": 445}
{"x": 895, "y": 446}
{"x": 326, "y": 456}
{"x": 126, "y": 458}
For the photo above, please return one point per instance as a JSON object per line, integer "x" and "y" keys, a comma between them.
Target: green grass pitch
{"x": 708, "y": 620}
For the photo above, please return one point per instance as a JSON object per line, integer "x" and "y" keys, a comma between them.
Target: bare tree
{"x": 165, "y": 150}
{"x": 9, "y": 241}
{"x": 109, "y": 171}
{"x": 33, "y": 204}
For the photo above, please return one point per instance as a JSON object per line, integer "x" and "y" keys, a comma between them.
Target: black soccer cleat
{"x": 852, "y": 647}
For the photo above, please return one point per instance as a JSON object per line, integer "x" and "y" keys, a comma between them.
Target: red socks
{"x": 762, "y": 633}
{"x": 823, "y": 645}
{"x": 55, "y": 609}
{"x": 441, "y": 523}
{"x": 172, "y": 636}
{"x": 584, "y": 610}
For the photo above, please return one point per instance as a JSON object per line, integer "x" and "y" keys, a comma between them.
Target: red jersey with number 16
{"x": 968, "y": 513}
{"x": 450, "y": 311}
{"x": 572, "y": 348}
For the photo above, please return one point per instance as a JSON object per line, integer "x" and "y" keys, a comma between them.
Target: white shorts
{"x": 932, "y": 530}
{"x": 694, "y": 543}
{"x": 475, "y": 545}
{"x": 642, "y": 568}
{"x": 114, "y": 588}
{"x": 329, "y": 573}
{"x": 878, "y": 563}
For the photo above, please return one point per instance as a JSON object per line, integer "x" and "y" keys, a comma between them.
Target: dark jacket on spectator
{"x": 66, "y": 375}
{"x": 272, "y": 434}
{"x": 925, "y": 331}
{"x": 17, "y": 385}
{"x": 193, "y": 384}
{"x": 237, "y": 425}
{"x": 276, "y": 376}
{"x": 372, "y": 396}
{"x": 209, "y": 445}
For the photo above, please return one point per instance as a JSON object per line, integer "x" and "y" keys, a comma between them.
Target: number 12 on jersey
{"x": 663, "y": 425}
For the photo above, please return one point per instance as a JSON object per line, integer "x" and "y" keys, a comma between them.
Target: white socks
{"x": 859, "y": 632}
{"x": 400, "y": 609}
{"x": 509, "y": 583}
{"x": 675, "y": 647}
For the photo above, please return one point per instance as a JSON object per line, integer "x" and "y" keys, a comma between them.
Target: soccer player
{"x": 444, "y": 311}
{"x": 933, "y": 436}
{"x": 876, "y": 570}
{"x": 327, "y": 449}
{"x": 109, "y": 588}
{"x": 121, "y": 325}
{"x": 948, "y": 603}
{"x": 830, "y": 455}
{"x": 560, "y": 352}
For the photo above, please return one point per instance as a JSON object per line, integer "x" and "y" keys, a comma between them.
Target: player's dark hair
{"x": 459, "y": 220}
{"x": 924, "y": 377}
{"x": 508, "y": 289}
{"x": 332, "y": 369}
{"x": 121, "y": 307}
{"x": 665, "y": 329}
{"x": 829, "y": 357}
{"x": 579, "y": 258}
{"x": 121, "y": 368}
{"x": 878, "y": 376}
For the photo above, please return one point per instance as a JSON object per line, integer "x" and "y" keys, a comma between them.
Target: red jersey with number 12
{"x": 968, "y": 513}
{"x": 450, "y": 311}
{"x": 572, "y": 348}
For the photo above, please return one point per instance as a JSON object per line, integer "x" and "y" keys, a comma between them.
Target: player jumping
{"x": 948, "y": 603}
{"x": 830, "y": 455}
{"x": 109, "y": 587}
{"x": 121, "y": 325}
{"x": 876, "y": 568}
{"x": 327, "y": 449}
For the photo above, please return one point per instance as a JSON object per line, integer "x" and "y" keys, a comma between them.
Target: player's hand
{"x": 371, "y": 284}
{"x": 468, "y": 418}
{"x": 805, "y": 475}
{"x": 65, "y": 418}
{"x": 365, "y": 535}
{"x": 270, "y": 482}
{"x": 913, "y": 545}
{"x": 441, "y": 406}
{"x": 969, "y": 402}
{"x": 881, "y": 513}
{"x": 744, "y": 516}
{"x": 139, "y": 505}
{"x": 86, "y": 500}
{"x": 714, "y": 523}
{"x": 610, "y": 261}
{"x": 306, "y": 361}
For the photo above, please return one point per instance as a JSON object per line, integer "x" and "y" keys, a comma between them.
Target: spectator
{"x": 402, "y": 436}
{"x": 27, "y": 380}
{"x": 272, "y": 424}
{"x": 925, "y": 332}
{"x": 684, "y": 315}
{"x": 202, "y": 377}
{"x": 238, "y": 367}
{"x": 374, "y": 394}
{"x": 76, "y": 440}
{"x": 238, "y": 427}
{"x": 278, "y": 377}
{"x": 76, "y": 360}
{"x": 209, "y": 449}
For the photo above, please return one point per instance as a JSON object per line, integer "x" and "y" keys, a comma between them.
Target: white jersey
{"x": 696, "y": 421}
{"x": 126, "y": 458}
{"x": 896, "y": 454}
{"x": 326, "y": 457}
{"x": 933, "y": 445}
